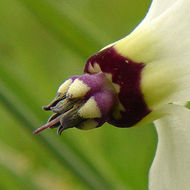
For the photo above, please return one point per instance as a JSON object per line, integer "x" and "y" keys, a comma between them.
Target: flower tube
{"x": 141, "y": 78}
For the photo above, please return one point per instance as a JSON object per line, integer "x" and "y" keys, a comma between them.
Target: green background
{"x": 42, "y": 43}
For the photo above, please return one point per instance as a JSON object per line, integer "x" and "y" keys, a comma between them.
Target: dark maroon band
{"x": 127, "y": 74}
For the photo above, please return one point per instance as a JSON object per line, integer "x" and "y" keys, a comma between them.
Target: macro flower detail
{"x": 132, "y": 71}
{"x": 109, "y": 91}
{"x": 142, "y": 78}
{"x": 84, "y": 102}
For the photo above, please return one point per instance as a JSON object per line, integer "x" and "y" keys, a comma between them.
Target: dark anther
{"x": 65, "y": 114}
{"x": 54, "y": 102}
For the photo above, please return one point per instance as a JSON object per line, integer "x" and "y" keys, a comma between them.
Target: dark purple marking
{"x": 127, "y": 74}
{"x": 105, "y": 101}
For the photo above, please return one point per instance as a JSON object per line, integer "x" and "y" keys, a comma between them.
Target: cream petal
{"x": 162, "y": 84}
{"x": 158, "y": 7}
{"x": 171, "y": 165}
{"x": 163, "y": 44}
{"x": 166, "y": 37}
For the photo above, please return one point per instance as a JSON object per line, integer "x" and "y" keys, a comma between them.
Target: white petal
{"x": 163, "y": 44}
{"x": 158, "y": 7}
{"x": 165, "y": 37}
{"x": 171, "y": 166}
{"x": 171, "y": 69}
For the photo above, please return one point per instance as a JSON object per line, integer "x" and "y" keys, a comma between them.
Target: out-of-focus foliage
{"x": 42, "y": 43}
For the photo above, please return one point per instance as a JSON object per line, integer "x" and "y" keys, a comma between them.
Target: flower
{"x": 141, "y": 78}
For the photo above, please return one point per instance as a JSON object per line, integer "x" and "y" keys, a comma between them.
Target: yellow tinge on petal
{"x": 137, "y": 45}
{"x": 78, "y": 89}
{"x": 64, "y": 87}
{"x": 163, "y": 45}
{"x": 90, "y": 109}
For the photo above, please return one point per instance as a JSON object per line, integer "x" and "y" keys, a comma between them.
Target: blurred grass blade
{"x": 61, "y": 152}
{"x": 82, "y": 22}
{"x": 17, "y": 182}
{"x": 74, "y": 36}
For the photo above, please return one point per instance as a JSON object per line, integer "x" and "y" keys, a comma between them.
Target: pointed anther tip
{"x": 48, "y": 125}
{"x": 46, "y": 108}
{"x": 59, "y": 132}
{"x": 40, "y": 129}
{"x": 34, "y": 132}
{"x": 61, "y": 129}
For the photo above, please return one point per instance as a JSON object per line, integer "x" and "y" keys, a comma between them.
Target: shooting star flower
{"x": 141, "y": 78}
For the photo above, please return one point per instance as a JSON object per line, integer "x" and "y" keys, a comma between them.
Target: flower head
{"x": 131, "y": 81}
{"x": 84, "y": 102}
{"x": 141, "y": 78}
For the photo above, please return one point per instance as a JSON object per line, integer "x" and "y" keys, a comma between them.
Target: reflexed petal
{"x": 171, "y": 165}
